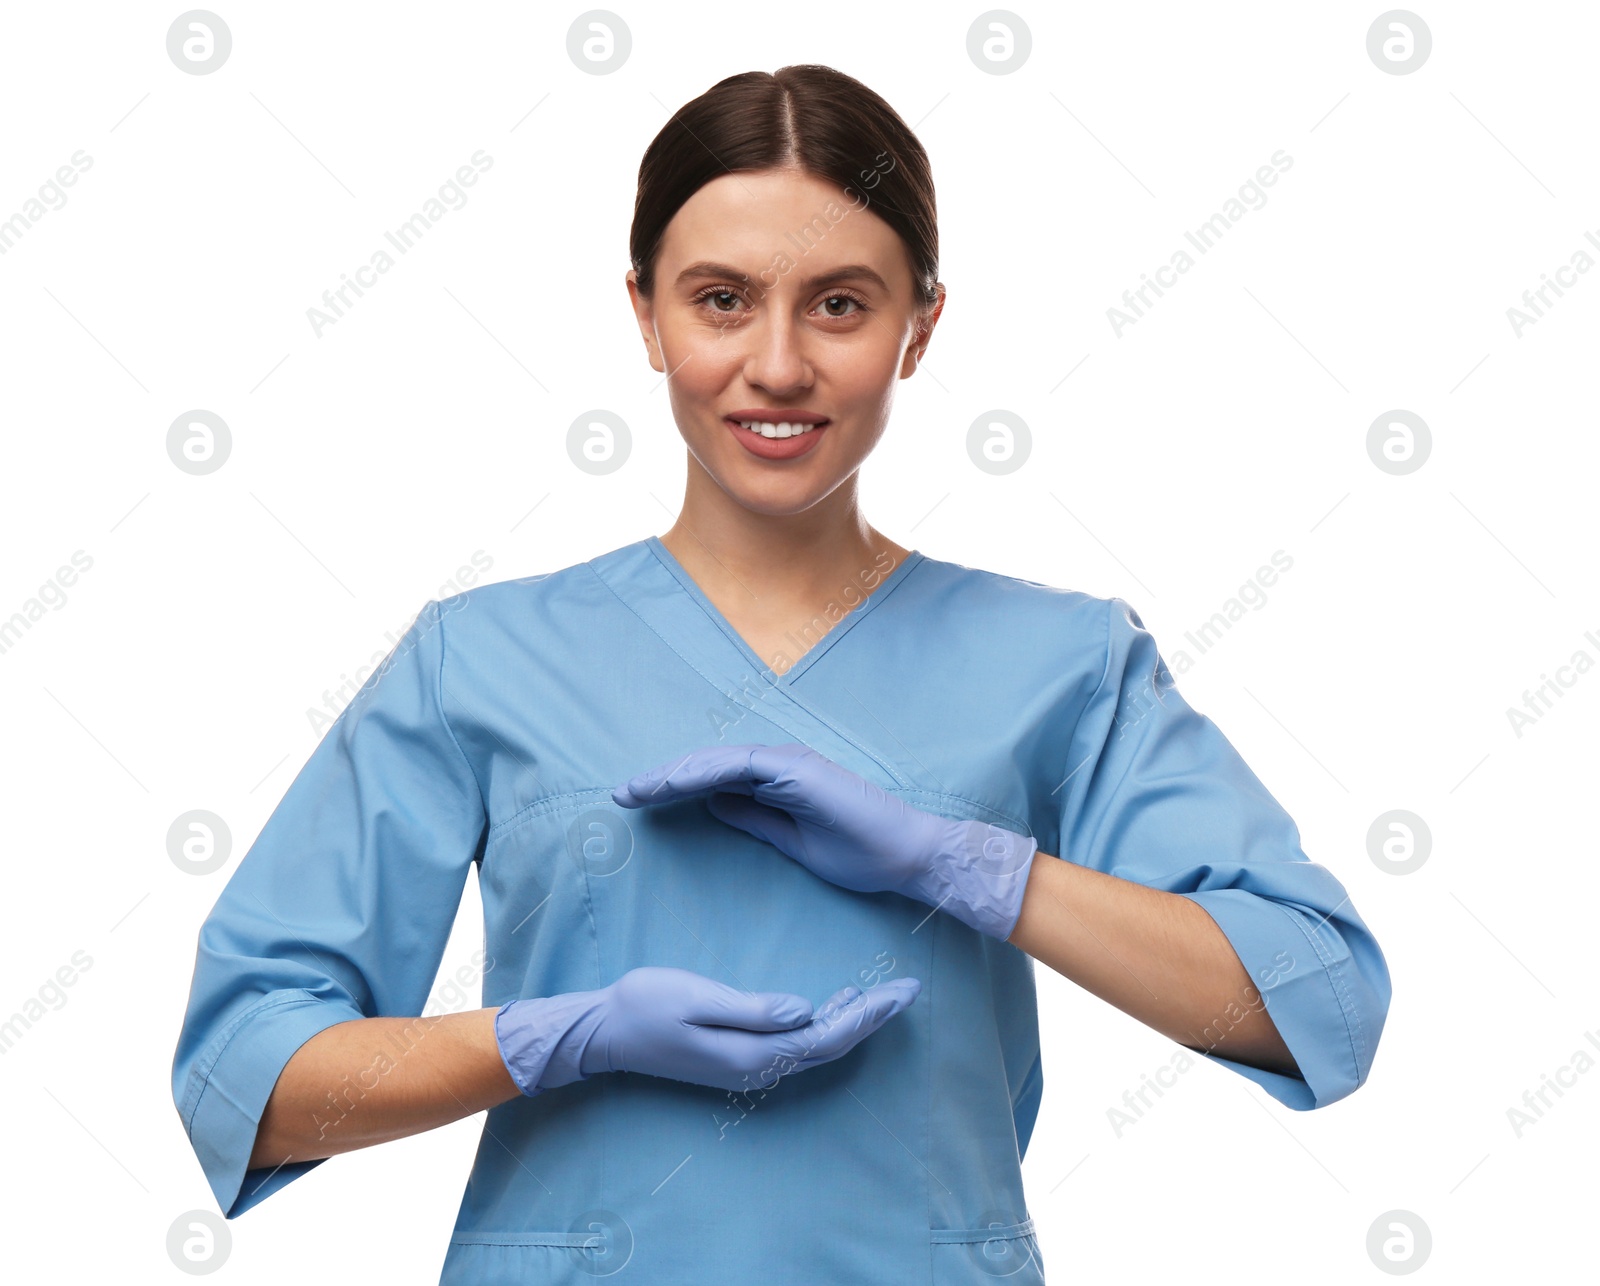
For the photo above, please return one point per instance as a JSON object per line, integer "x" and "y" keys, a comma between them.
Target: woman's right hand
{"x": 685, "y": 1026}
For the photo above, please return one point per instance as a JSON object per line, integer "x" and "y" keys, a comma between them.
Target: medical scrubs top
{"x": 492, "y": 738}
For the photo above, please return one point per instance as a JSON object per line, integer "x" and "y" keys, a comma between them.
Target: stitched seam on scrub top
{"x": 1034, "y": 1074}
{"x": 651, "y": 627}
{"x": 1089, "y": 843}
{"x": 550, "y": 803}
{"x": 524, "y": 1240}
{"x": 438, "y": 697}
{"x": 930, "y": 1026}
{"x": 1352, "y": 1020}
{"x": 849, "y": 738}
{"x": 200, "y": 1075}
{"x": 765, "y": 713}
{"x": 971, "y": 1236}
{"x": 1330, "y": 969}
{"x": 599, "y": 982}
{"x": 521, "y": 1240}
{"x": 814, "y": 654}
{"x": 1011, "y": 823}
{"x": 874, "y": 599}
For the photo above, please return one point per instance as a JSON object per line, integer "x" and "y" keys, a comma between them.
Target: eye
{"x": 712, "y": 298}
{"x": 861, "y": 304}
{"x": 711, "y": 292}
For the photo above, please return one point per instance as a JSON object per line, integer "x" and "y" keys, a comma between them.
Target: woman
{"x": 768, "y": 758}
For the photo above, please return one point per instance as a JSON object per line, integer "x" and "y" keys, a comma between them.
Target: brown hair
{"x": 805, "y": 116}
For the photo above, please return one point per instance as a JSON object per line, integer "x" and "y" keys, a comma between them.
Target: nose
{"x": 776, "y": 358}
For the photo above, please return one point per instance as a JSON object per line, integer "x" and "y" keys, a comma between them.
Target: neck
{"x": 780, "y": 559}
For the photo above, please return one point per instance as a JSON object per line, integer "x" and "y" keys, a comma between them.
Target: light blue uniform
{"x": 494, "y": 736}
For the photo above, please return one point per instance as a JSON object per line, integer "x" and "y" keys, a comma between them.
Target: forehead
{"x": 753, "y": 219}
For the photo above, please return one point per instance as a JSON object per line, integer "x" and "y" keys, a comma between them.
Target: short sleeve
{"x": 1159, "y": 796}
{"x": 341, "y": 909}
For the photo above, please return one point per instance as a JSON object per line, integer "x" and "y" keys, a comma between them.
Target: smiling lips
{"x": 776, "y": 435}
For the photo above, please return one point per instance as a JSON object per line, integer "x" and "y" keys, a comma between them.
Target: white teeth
{"x": 784, "y": 430}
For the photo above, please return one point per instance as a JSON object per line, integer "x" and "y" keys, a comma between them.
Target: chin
{"x": 775, "y": 497}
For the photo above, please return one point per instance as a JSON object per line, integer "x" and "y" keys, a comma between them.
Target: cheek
{"x": 701, "y": 371}
{"x": 701, "y": 359}
{"x": 865, "y": 372}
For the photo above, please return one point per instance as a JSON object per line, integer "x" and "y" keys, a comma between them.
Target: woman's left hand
{"x": 845, "y": 829}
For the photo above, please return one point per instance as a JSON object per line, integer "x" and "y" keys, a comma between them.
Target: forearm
{"x": 1154, "y": 955}
{"x": 374, "y": 1079}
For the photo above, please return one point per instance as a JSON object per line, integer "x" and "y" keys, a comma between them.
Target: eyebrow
{"x": 705, "y": 268}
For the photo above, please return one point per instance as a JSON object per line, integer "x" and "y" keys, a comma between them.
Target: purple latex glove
{"x": 845, "y": 829}
{"x": 683, "y": 1025}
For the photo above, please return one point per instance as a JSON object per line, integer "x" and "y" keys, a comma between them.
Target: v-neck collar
{"x": 884, "y": 588}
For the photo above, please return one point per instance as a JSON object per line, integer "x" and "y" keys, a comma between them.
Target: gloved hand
{"x": 847, "y": 830}
{"x": 683, "y": 1025}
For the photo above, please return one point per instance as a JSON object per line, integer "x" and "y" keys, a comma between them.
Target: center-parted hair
{"x": 807, "y": 117}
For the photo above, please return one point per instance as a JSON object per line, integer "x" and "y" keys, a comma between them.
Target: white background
{"x": 430, "y": 422}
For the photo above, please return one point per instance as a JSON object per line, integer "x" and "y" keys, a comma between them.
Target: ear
{"x": 923, "y": 333}
{"x": 644, "y": 314}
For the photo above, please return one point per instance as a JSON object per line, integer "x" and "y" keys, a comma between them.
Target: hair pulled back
{"x": 805, "y": 116}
